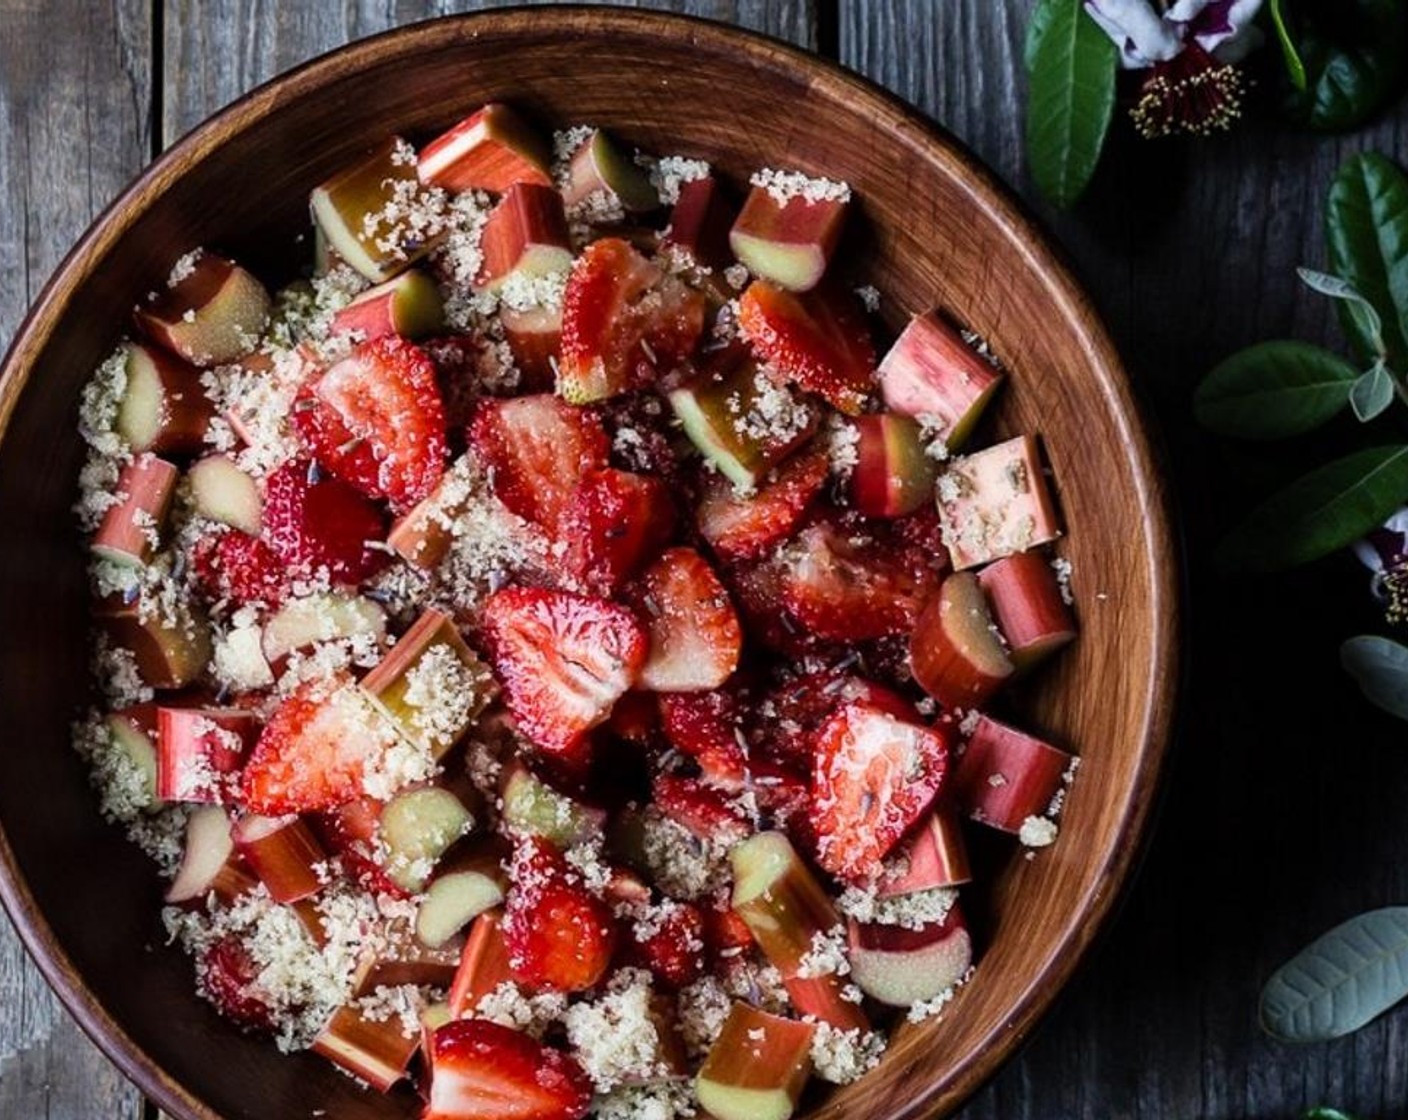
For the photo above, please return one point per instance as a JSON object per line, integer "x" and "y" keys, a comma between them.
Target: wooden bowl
{"x": 933, "y": 227}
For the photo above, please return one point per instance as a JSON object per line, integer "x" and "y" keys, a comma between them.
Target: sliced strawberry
{"x": 350, "y": 831}
{"x": 377, "y": 422}
{"x": 312, "y": 525}
{"x": 235, "y": 566}
{"x": 695, "y": 637}
{"x": 817, "y": 339}
{"x": 480, "y": 1070}
{"x": 708, "y": 726}
{"x": 460, "y": 362}
{"x": 557, "y": 933}
{"x": 668, "y": 939}
{"x": 538, "y": 449}
{"x": 703, "y": 810}
{"x": 874, "y": 775}
{"x": 563, "y": 660}
{"x": 625, "y": 322}
{"x": 757, "y": 587}
{"x": 739, "y": 527}
{"x": 614, "y": 522}
{"x": 791, "y": 713}
{"x": 226, "y": 975}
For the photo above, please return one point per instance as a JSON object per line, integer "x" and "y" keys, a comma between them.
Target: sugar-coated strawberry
{"x": 375, "y": 420}
{"x": 558, "y": 934}
{"x": 668, "y": 939}
{"x": 563, "y": 660}
{"x": 241, "y": 568}
{"x": 625, "y": 322}
{"x": 695, "y": 637}
{"x": 314, "y": 522}
{"x": 708, "y": 726}
{"x": 480, "y": 1070}
{"x": 705, "y": 811}
{"x": 538, "y": 449}
{"x": 739, "y": 527}
{"x": 792, "y": 711}
{"x": 819, "y": 340}
{"x": 614, "y": 522}
{"x": 873, "y": 776}
{"x": 757, "y": 587}
{"x": 227, "y": 976}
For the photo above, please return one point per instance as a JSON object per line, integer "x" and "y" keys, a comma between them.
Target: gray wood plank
{"x": 75, "y": 126}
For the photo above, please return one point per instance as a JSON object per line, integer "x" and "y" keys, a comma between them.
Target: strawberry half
{"x": 873, "y": 777}
{"x": 708, "y": 726}
{"x": 480, "y": 1070}
{"x": 226, "y": 975}
{"x": 538, "y": 450}
{"x": 740, "y": 528}
{"x": 817, "y": 339}
{"x": 236, "y": 566}
{"x": 625, "y": 322}
{"x": 312, "y": 525}
{"x": 563, "y": 660}
{"x": 613, "y": 523}
{"x": 557, "y": 933}
{"x": 695, "y": 637}
{"x": 668, "y": 939}
{"x": 377, "y": 422}
{"x": 793, "y": 711}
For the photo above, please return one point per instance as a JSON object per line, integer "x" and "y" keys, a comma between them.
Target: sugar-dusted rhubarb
{"x": 1028, "y": 606}
{"x": 171, "y": 649}
{"x": 700, "y": 223}
{"x": 468, "y": 881}
{"x": 398, "y": 958}
{"x": 376, "y": 215}
{"x": 130, "y": 532}
{"x": 783, "y": 904}
{"x": 327, "y": 617}
{"x": 695, "y": 637}
{"x": 209, "y": 862}
{"x": 935, "y": 856}
{"x": 214, "y": 313}
{"x": 200, "y": 752}
{"x": 525, "y": 238}
{"x": 423, "y": 536}
{"x": 601, "y": 174}
{"x": 132, "y": 733}
{"x": 490, "y": 150}
{"x": 996, "y": 502}
{"x": 893, "y": 475}
{"x": 931, "y": 372}
{"x": 531, "y": 806}
{"x": 164, "y": 407}
{"x": 284, "y": 853}
{"x": 534, "y": 335}
{"x": 900, "y": 967}
{"x": 223, "y": 492}
{"x": 373, "y": 1049}
{"x": 956, "y": 653}
{"x": 483, "y": 966}
{"x": 408, "y": 305}
{"x": 1005, "y": 776}
{"x": 418, "y": 827}
{"x": 757, "y": 1068}
{"x": 788, "y": 242}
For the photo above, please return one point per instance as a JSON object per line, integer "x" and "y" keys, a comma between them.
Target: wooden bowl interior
{"x": 931, "y": 230}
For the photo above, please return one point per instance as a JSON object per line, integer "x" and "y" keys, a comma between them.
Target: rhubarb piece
{"x": 757, "y": 1068}
{"x": 818, "y": 340}
{"x": 209, "y": 863}
{"x": 132, "y": 733}
{"x": 490, "y": 150}
{"x": 1028, "y": 606}
{"x": 534, "y": 808}
{"x": 995, "y": 502}
{"x": 431, "y": 684}
{"x": 780, "y": 900}
{"x": 376, "y": 1051}
{"x": 213, "y": 314}
{"x": 164, "y": 407}
{"x": 901, "y": 967}
{"x": 625, "y": 323}
{"x": 327, "y": 617}
{"x": 423, "y": 537}
{"x": 1005, "y": 776}
{"x": 483, "y": 964}
{"x": 788, "y": 242}
{"x": 695, "y": 637}
{"x": 739, "y": 420}
{"x": 417, "y": 828}
{"x": 482, "y": 1071}
{"x": 558, "y": 934}
{"x": 525, "y": 238}
{"x": 401, "y": 958}
{"x": 200, "y": 752}
{"x": 601, "y": 173}
{"x": 224, "y": 493}
{"x": 873, "y": 777}
{"x": 467, "y": 882}
{"x": 408, "y": 305}
{"x": 534, "y": 335}
{"x": 936, "y": 856}
{"x": 613, "y": 523}
{"x": 955, "y": 652}
{"x": 171, "y": 651}
{"x": 375, "y": 214}
{"x": 130, "y": 532}
{"x": 285, "y": 855}
{"x": 893, "y": 475}
{"x": 930, "y": 372}
{"x": 742, "y": 526}
{"x": 700, "y": 222}
{"x": 314, "y": 522}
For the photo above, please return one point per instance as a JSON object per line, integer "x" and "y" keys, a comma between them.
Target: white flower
{"x": 1147, "y": 33}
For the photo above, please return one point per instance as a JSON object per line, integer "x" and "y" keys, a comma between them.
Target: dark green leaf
{"x": 1070, "y": 99}
{"x": 1036, "y": 28}
{"x": 1371, "y": 393}
{"x": 1366, "y": 225}
{"x": 1324, "y": 511}
{"x": 1274, "y": 389}
{"x": 1380, "y": 668}
{"x": 1354, "y": 53}
{"x": 1327, "y": 1114}
{"x": 1367, "y": 322}
{"x": 1295, "y": 68}
{"x": 1338, "y": 983}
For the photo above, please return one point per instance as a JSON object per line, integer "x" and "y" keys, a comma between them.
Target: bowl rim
{"x": 984, "y": 190}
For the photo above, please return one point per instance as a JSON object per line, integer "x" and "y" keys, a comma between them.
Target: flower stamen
{"x": 1192, "y": 93}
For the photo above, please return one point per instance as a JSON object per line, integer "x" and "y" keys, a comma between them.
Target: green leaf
{"x": 1324, "y": 511}
{"x": 1341, "y": 981}
{"x": 1380, "y": 668}
{"x": 1367, "y": 322}
{"x": 1354, "y": 53}
{"x": 1274, "y": 389}
{"x": 1371, "y": 393}
{"x": 1036, "y": 29}
{"x": 1327, "y": 1114}
{"x": 1366, "y": 225}
{"x": 1295, "y": 68}
{"x": 1070, "y": 99}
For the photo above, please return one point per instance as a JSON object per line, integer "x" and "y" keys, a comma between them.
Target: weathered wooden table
{"x": 1285, "y": 801}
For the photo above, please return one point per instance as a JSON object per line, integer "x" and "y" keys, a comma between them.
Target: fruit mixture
{"x": 547, "y": 652}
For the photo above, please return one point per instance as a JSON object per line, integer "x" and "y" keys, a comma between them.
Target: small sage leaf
{"x": 1380, "y": 668}
{"x": 1295, "y": 68}
{"x": 1366, "y": 225}
{"x": 1273, "y": 389}
{"x": 1370, "y": 326}
{"x": 1341, "y": 981}
{"x": 1371, "y": 393}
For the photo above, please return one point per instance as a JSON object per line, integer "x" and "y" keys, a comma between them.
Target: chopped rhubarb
{"x": 1028, "y": 606}
{"x": 223, "y": 492}
{"x": 893, "y": 475}
{"x": 483, "y": 966}
{"x": 132, "y": 733}
{"x": 783, "y": 904}
{"x": 408, "y": 305}
{"x": 1005, "y": 776}
{"x": 902, "y": 967}
{"x": 130, "y": 532}
{"x": 601, "y": 174}
{"x": 695, "y": 637}
{"x": 213, "y": 314}
{"x": 423, "y": 536}
{"x": 757, "y": 1068}
{"x": 996, "y": 502}
{"x": 171, "y": 652}
{"x": 700, "y": 222}
{"x": 955, "y": 652}
{"x": 534, "y": 335}
{"x": 332, "y": 617}
{"x": 525, "y": 238}
{"x": 164, "y": 407}
{"x": 490, "y": 150}
{"x": 791, "y": 242}
{"x": 284, "y": 853}
{"x": 932, "y": 373}
{"x": 373, "y": 1049}
{"x": 417, "y": 827}
{"x": 209, "y": 863}
{"x": 467, "y": 882}
{"x": 936, "y": 856}
{"x": 533, "y": 807}
{"x": 200, "y": 752}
